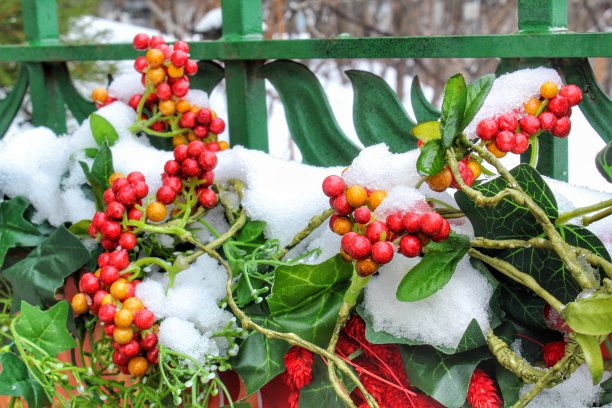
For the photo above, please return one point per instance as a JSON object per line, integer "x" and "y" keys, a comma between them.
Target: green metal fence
{"x": 541, "y": 39}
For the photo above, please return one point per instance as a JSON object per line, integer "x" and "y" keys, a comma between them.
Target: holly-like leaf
{"x": 102, "y": 167}
{"x": 305, "y": 299}
{"x": 46, "y": 328}
{"x": 36, "y": 278}
{"x": 592, "y": 355}
{"x": 251, "y": 231}
{"x": 453, "y": 107}
{"x": 320, "y": 392}
{"x": 427, "y": 131}
{"x": 508, "y": 219}
{"x": 443, "y": 377}
{"x": 603, "y": 162}
{"x": 423, "y": 110}
{"x": 590, "y": 315}
{"x": 260, "y": 359}
{"x": 509, "y": 385}
{"x": 431, "y": 160}
{"x": 102, "y": 130}
{"x": 434, "y": 270}
{"x": 378, "y": 114}
{"x": 15, "y": 381}
{"x": 477, "y": 92}
{"x": 15, "y": 230}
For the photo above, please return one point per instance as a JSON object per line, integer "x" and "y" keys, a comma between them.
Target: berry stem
{"x": 565, "y": 217}
{"x": 313, "y": 224}
{"x": 535, "y": 150}
{"x": 596, "y": 217}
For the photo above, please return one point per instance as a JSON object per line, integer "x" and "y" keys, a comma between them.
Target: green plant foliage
{"x": 320, "y": 392}
{"x": 102, "y": 130}
{"x": 431, "y": 160}
{"x": 453, "y": 107}
{"x": 15, "y": 381}
{"x": 477, "y": 92}
{"x": 434, "y": 270}
{"x": 97, "y": 177}
{"x": 15, "y": 230}
{"x": 590, "y": 315}
{"x": 424, "y": 111}
{"x": 251, "y": 231}
{"x": 427, "y": 131}
{"x": 603, "y": 161}
{"x": 523, "y": 306}
{"x": 592, "y": 355}
{"x": 509, "y": 385}
{"x": 606, "y": 397}
{"x": 36, "y": 278}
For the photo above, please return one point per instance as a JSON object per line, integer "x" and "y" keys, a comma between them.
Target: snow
{"x": 211, "y": 21}
{"x": 125, "y": 86}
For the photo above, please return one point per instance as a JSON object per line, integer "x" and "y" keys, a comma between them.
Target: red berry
{"x": 155, "y": 41}
{"x": 108, "y": 244}
{"x": 149, "y": 341}
{"x": 98, "y": 296}
{"x": 103, "y": 259}
{"x": 165, "y": 49}
{"x": 141, "y": 189}
{"x": 529, "y": 124}
{"x": 119, "y": 183}
{"x": 213, "y": 147}
{"x": 109, "y": 329}
{"x": 153, "y": 356}
{"x": 127, "y": 241}
{"x": 410, "y": 246}
{"x": 382, "y": 252}
{"x": 410, "y": 222}
{"x": 377, "y": 231}
{"x": 115, "y": 210}
{"x": 180, "y": 88}
{"x": 187, "y": 120}
{"x": 108, "y": 196}
{"x": 140, "y": 64}
{"x": 163, "y": 91}
{"x": 179, "y": 58}
{"x": 132, "y": 288}
{"x": 195, "y": 148}
{"x": 217, "y": 126}
{"x": 359, "y": 247}
{"x": 362, "y": 215}
{"x": 505, "y": 141}
{"x": 144, "y": 319}
{"x": 548, "y": 120}
{"x": 466, "y": 174}
{"x": 181, "y": 46}
{"x": 130, "y": 349}
{"x": 207, "y": 160}
{"x": 134, "y": 101}
{"x": 89, "y": 283}
{"x": 126, "y": 196}
{"x": 572, "y": 93}
{"x": 487, "y": 129}
{"x": 191, "y": 67}
{"x": 558, "y": 105}
{"x": 562, "y": 128}
{"x": 200, "y": 131}
{"x": 342, "y": 206}
{"x": 134, "y": 214}
{"x": 166, "y": 195}
{"x": 521, "y": 143}
{"x": 180, "y": 153}
{"x": 333, "y": 186}
{"x": 431, "y": 223}
{"x": 346, "y": 238}
{"x": 174, "y": 183}
{"x": 507, "y": 121}
{"x": 394, "y": 222}
{"x": 443, "y": 234}
{"x": 119, "y": 359}
{"x": 119, "y": 259}
{"x": 92, "y": 231}
{"x": 111, "y": 230}
{"x": 190, "y": 168}
{"x": 554, "y": 320}
{"x": 109, "y": 274}
{"x": 107, "y": 313}
{"x": 99, "y": 219}
{"x": 204, "y": 116}
{"x": 207, "y": 198}
{"x": 172, "y": 167}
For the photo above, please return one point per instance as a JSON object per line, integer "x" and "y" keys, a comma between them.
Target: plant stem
{"x": 586, "y": 221}
{"x": 565, "y": 217}
{"x": 313, "y": 224}
{"x": 535, "y": 151}
{"x": 442, "y": 204}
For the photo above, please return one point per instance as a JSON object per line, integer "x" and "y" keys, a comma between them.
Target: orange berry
{"x": 99, "y": 95}
{"x": 138, "y": 366}
{"x": 133, "y": 304}
{"x": 345, "y": 256}
{"x": 174, "y": 72}
{"x": 376, "y": 198}
{"x": 475, "y": 167}
{"x": 79, "y": 304}
{"x": 492, "y": 147}
{"x": 156, "y": 75}
{"x": 223, "y": 145}
{"x": 124, "y": 318}
{"x": 532, "y": 106}
{"x": 179, "y": 139}
{"x": 156, "y": 211}
{"x": 97, "y": 272}
{"x": 183, "y": 106}
{"x": 194, "y": 109}
{"x": 120, "y": 289}
{"x": 549, "y": 90}
{"x": 366, "y": 267}
{"x": 440, "y": 181}
{"x": 155, "y": 58}
{"x": 356, "y": 196}
{"x": 191, "y": 137}
{"x": 342, "y": 225}
{"x": 114, "y": 177}
{"x": 213, "y": 114}
{"x": 108, "y": 298}
{"x": 167, "y": 108}
{"x": 123, "y": 335}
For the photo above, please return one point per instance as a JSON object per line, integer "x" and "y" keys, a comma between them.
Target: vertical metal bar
{"x": 246, "y": 93}
{"x": 40, "y": 21}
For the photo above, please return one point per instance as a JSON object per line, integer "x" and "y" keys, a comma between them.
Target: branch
{"x": 313, "y": 224}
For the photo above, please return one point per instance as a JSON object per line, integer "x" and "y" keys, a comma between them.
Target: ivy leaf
{"x": 592, "y": 355}
{"x": 36, "y": 277}
{"x": 423, "y": 110}
{"x": 590, "y": 316}
{"x": 434, "y": 270}
{"x": 477, "y": 92}
{"x": 102, "y": 130}
{"x": 603, "y": 162}
{"x": 80, "y": 228}
{"x": 46, "y": 328}
{"x": 427, "y": 131}
{"x": 251, "y": 231}
{"x": 15, "y": 381}
{"x": 523, "y": 305}
{"x": 431, "y": 160}
{"x": 260, "y": 359}
{"x": 443, "y": 377}
{"x": 15, "y": 230}
{"x": 509, "y": 385}
{"x": 305, "y": 299}
{"x": 319, "y": 392}
{"x": 453, "y": 106}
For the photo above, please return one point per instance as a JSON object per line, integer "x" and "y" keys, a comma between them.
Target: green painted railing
{"x": 542, "y": 39}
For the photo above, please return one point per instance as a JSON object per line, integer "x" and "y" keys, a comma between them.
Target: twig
{"x": 313, "y": 224}
{"x": 565, "y": 217}
{"x": 586, "y": 221}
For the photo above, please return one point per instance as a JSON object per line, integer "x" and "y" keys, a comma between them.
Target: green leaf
{"x": 320, "y": 392}
{"x": 91, "y": 152}
{"x": 443, "y": 377}
{"x": 102, "y": 130}
{"x": 102, "y": 167}
{"x": 427, "y": 131}
{"x": 15, "y": 381}
{"x": 477, "y": 92}
{"x": 15, "y": 230}
{"x": 509, "y": 385}
{"x": 46, "y": 328}
{"x": 251, "y": 231}
{"x": 95, "y": 188}
{"x": 606, "y": 397}
{"x": 453, "y": 106}
{"x": 36, "y": 277}
{"x": 260, "y": 359}
{"x": 431, "y": 160}
{"x": 434, "y": 270}
{"x": 305, "y": 299}
{"x": 509, "y": 220}
{"x": 523, "y": 305}
{"x": 423, "y": 110}
{"x": 590, "y": 316}
{"x": 80, "y": 228}
{"x": 592, "y": 355}
{"x": 603, "y": 161}
{"x": 378, "y": 114}
{"x": 311, "y": 121}
{"x": 208, "y": 76}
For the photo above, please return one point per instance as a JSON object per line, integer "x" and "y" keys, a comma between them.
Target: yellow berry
{"x": 356, "y": 196}
{"x": 99, "y": 95}
{"x": 532, "y": 106}
{"x": 156, "y": 211}
{"x": 492, "y": 147}
{"x": 124, "y": 318}
{"x": 549, "y": 90}
{"x": 79, "y": 304}
{"x": 138, "y": 366}
{"x": 120, "y": 289}
{"x": 440, "y": 181}
{"x": 376, "y": 198}
{"x": 133, "y": 303}
{"x": 123, "y": 335}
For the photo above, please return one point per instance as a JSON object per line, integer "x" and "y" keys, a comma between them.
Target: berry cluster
{"x": 469, "y": 169}
{"x": 550, "y": 112}
{"x": 372, "y": 242}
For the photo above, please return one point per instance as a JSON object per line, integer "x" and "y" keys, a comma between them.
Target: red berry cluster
{"x": 550, "y": 112}
{"x": 372, "y": 242}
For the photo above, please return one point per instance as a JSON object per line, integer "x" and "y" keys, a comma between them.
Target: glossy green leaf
{"x": 15, "y": 381}
{"x": 102, "y": 130}
{"x": 305, "y": 299}
{"x": 606, "y": 397}
{"x": 603, "y": 161}
{"x": 208, "y": 76}
{"x": 508, "y": 219}
{"x": 434, "y": 270}
{"x": 80, "y": 107}
{"x": 591, "y": 316}
{"x": 477, "y": 92}
{"x": 94, "y": 189}
{"x": 46, "y": 328}
{"x": 91, "y": 152}
{"x": 431, "y": 160}
{"x": 260, "y": 359}
{"x": 443, "y": 377}
{"x": 509, "y": 385}
{"x": 36, "y": 278}
{"x": 102, "y": 167}
{"x": 427, "y": 131}
{"x": 453, "y": 107}
{"x": 320, "y": 392}
{"x": 424, "y": 111}
{"x": 378, "y": 114}
{"x": 523, "y": 305}
{"x": 592, "y": 355}
{"x": 251, "y": 231}
{"x": 15, "y": 230}
{"x": 311, "y": 121}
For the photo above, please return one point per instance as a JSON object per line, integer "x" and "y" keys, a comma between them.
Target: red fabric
{"x": 482, "y": 392}
{"x": 553, "y": 352}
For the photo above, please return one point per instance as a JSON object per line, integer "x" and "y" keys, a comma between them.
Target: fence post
{"x": 246, "y": 94}
{"x": 537, "y": 16}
